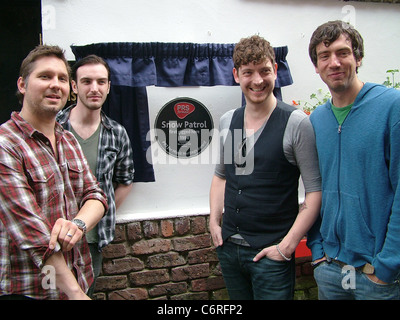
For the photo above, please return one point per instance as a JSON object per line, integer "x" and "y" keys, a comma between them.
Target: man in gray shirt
{"x": 255, "y": 220}
{"x": 105, "y": 144}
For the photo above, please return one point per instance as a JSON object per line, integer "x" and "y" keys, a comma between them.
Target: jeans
{"x": 336, "y": 282}
{"x": 97, "y": 263}
{"x": 247, "y": 280}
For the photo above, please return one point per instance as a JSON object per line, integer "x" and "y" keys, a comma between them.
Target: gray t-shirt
{"x": 298, "y": 146}
{"x": 89, "y": 148}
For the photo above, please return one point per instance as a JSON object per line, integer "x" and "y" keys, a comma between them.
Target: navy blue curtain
{"x": 137, "y": 65}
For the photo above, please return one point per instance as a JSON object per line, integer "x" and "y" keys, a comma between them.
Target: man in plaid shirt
{"x": 105, "y": 144}
{"x": 48, "y": 196}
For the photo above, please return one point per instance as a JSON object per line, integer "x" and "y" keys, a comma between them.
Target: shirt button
{"x": 240, "y": 191}
{"x": 237, "y": 210}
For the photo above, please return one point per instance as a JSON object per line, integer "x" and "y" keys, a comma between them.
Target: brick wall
{"x": 171, "y": 259}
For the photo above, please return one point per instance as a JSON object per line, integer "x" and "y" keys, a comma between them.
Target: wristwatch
{"x": 80, "y": 224}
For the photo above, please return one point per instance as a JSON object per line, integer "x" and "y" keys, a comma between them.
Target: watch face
{"x": 80, "y": 224}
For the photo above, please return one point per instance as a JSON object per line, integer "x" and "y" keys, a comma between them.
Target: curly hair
{"x": 252, "y": 49}
{"x": 330, "y": 32}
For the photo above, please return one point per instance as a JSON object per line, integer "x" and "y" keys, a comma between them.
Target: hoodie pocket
{"x": 343, "y": 222}
{"x": 352, "y": 227}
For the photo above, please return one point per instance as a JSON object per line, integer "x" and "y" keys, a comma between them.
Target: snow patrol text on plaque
{"x": 184, "y": 127}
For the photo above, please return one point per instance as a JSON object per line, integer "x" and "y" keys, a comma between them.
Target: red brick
{"x": 123, "y": 265}
{"x": 192, "y": 243}
{"x": 190, "y": 272}
{"x": 120, "y": 235}
{"x": 208, "y": 284}
{"x": 134, "y": 231}
{"x": 99, "y": 296}
{"x": 182, "y": 226}
{"x": 110, "y": 283}
{"x": 198, "y": 225}
{"x": 191, "y": 296}
{"x": 202, "y": 255}
{"x": 114, "y": 251}
{"x": 168, "y": 289}
{"x": 150, "y": 229}
{"x": 167, "y": 228}
{"x": 149, "y": 277}
{"x": 151, "y": 246}
{"x": 216, "y": 270}
{"x": 170, "y": 259}
{"x": 129, "y": 294}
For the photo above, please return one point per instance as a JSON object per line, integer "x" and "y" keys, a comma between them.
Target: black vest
{"x": 263, "y": 205}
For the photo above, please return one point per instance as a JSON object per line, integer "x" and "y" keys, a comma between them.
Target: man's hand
{"x": 271, "y": 253}
{"x": 217, "y": 192}
{"x": 375, "y": 279}
{"x": 66, "y": 233}
{"x": 216, "y": 234}
{"x": 318, "y": 261}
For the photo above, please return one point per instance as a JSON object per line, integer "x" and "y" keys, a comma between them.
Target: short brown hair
{"x": 252, "y": 49}
{"x": 90, "y": 59}
{"x": 38, "y": 52}
{"x": 330, "y": 32}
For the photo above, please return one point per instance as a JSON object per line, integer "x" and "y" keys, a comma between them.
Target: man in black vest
{"x": 265, "y": 145}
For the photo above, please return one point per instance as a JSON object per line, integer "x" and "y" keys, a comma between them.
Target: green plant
{"x": 390, "y": 81}
{"x": 316, "y": 99}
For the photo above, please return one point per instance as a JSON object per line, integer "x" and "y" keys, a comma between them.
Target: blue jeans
{"x": 336, "y": 282}
{"x": 247, "y": 280}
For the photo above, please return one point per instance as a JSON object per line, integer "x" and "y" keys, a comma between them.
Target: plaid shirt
{"x": 36, "y": 190}
{"x": 114, "y": 166}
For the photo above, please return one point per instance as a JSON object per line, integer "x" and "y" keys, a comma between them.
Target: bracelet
{"x": 283, "y": 256}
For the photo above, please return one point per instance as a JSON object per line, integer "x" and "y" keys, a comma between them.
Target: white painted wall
{"x": 183, "y": 188}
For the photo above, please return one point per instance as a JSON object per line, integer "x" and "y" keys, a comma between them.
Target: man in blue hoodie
{"x": 356, "y": 242}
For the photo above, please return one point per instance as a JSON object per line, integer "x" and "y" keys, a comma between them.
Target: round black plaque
{"x": 184, "y": 127}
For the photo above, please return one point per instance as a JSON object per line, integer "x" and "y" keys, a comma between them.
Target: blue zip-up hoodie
{"x": 360, "y": 170}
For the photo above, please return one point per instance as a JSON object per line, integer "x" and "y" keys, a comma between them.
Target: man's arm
{"x": 305, "y": 219}
{"x": 121, "y": 192}
{"x": 217, "y": 192}
{"x": 307, "y": 216}
{"x": 65, "y": 280}
{"x": 387, "y": 262}
{"x": 67, "y": 234}
{"x": 91, "y": 213}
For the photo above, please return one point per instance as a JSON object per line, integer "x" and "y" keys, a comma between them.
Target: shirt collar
{"x": 30, "y": 131}
{"x": 64, "y": 116}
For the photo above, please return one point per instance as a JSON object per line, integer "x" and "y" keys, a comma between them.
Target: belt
{"x": 240, "y": 242}
{"x": 244, "y": 243}
{"x": 366, "y": 268}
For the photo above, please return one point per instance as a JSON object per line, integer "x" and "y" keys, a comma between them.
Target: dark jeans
{"x": 248, "y": 280}
{"x": 97, "y": 263}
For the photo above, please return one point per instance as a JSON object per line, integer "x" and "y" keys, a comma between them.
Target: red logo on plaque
{"x": 182, "y": 110}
